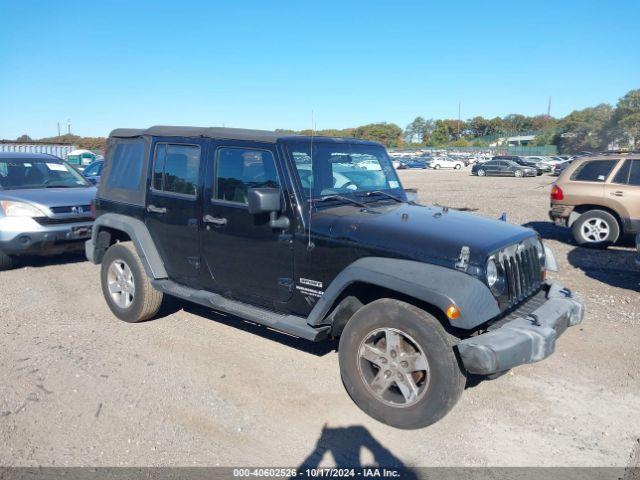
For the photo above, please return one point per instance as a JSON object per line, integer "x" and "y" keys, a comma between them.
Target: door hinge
{"x": 194, "y": 261}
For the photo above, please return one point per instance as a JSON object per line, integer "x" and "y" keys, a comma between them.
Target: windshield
{"x": 17, "y": 174}
{"x": 343, "y": 168}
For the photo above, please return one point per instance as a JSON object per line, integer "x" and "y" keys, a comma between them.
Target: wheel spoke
{"x": 116, "y": 268}
{"x": 393, "y": 341}
{"x": 407, "y": 387}
{"x": 371, "y": 353}
{"x": 416, "y": 362}
{"x": 122, "y": 299}
{"x": 114, "y": 287}
{"x": 381, "y": 382}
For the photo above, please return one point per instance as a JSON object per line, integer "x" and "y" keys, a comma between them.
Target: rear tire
{"x": 125, "y": 285}
{"x": 7, "y": 262}
{"x": 457, "y": 166}
{"x": 416, "y": 380}
{"x": 518, "y": 174}
{"x": 595, "y": 229}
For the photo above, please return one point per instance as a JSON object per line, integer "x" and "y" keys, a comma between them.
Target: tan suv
{"x": 598, "y": 197}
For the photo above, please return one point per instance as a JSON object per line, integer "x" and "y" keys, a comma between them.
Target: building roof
{"x": 80, "y": 151}
{"x": 220, "y": 133}
{"x": 28, "y": 156}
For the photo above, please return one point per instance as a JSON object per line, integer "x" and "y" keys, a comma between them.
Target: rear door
{"x": 244, "y": 257}
{"x": 622, "y": 194}
{"x": 173, "y": 210}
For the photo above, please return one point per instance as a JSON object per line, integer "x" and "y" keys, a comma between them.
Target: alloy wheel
{"x": 121, "y": 284}
{"x": 595, "y": 230}
{"x": 393, "y": 367}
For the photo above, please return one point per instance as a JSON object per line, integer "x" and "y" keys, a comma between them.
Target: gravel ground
{"x": 194, "y": 387}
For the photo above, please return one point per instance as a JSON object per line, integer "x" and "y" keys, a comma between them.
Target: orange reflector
{"x": 453, "y": 312}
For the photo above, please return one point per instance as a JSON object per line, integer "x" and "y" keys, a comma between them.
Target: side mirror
{"x": 263, "y": 200}
{"x": 267, "y": 200}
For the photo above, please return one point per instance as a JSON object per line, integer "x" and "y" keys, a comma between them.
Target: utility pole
{"x": 549, "y": 107}
{"x": 459, "y": 107}
{"x": 58, "y": 131}
{"x": 69, "y": 126}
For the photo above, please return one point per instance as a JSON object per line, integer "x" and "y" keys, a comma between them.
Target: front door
{"x": 173, "y": 210}
{"x": 623, "y": 194}
{"x": 244, "y": 257}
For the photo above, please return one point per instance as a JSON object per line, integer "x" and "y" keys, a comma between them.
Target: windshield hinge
{"x": 463, "y": 260}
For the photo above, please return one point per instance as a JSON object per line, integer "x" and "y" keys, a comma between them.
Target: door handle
{"x": 214, "y": 220}
{"x": 154, "y": 209}
{"x": 617, "y": 193}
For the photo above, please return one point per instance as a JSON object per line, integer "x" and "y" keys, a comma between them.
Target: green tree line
{"x": 593, "y": 128}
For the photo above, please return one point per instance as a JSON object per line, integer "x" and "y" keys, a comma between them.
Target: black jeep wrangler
{"x": 315, "y": 237}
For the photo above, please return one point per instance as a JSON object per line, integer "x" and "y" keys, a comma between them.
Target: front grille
{"x": 61, "y": 221}
{"x": 72, "y": 209}
{"x": 522, "y": 271}
{"x": 522, "y": 310}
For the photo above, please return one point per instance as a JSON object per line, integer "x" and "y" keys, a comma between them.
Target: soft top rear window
{"x": 124, "y": 170}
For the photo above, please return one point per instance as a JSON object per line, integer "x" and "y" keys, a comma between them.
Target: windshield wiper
{"x": 388, "y": 195}
{"x": 343, "y": 198}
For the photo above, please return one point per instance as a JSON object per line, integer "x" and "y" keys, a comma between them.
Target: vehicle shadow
{"x": 614, "y": 266}
{"x": 345, "y": 445}
{"x": 37, "y": 261}
{"x": 319, "y": 349}
{"x": 550, "y": 231}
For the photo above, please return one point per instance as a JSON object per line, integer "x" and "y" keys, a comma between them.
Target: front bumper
{"x": 523, "y": 339}
{"x": 25, "y": 236}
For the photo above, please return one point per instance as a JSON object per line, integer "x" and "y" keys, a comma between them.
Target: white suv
{"x": 444, "y": 162}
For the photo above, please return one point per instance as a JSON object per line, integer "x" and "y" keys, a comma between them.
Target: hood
{"x": 46, "y": 198}
{"x": 422, "y": 233}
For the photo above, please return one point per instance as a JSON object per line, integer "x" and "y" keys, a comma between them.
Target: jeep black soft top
{"x": 315, "y": 237}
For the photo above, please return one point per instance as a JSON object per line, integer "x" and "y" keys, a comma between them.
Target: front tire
{"x": 398, "y": 364}
{"x": 596, "y": 229}
{"x": 457, "y": 166}
{"x": 481, "y": 173}
{"x": 125, "y": 285}
{"x": 7, "y": 262}
{"x": 436, "y": 167}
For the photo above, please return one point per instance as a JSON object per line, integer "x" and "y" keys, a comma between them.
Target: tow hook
{"x": 533, "y": 318}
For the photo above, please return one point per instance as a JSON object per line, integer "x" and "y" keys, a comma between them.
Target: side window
{"x": 623, "y": 174}
{"x": 634, "y": 174}
{"x": 176, "y": 168}
{"x": 594, "y": 171}
{"x": 239, "y": 169}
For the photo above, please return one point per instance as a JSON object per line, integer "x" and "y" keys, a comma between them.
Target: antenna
{"x": 310, "y": 245}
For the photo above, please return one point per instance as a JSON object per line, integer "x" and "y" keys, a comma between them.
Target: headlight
{"x": 541, "y": 252}
{"x": 495, "y": 277}
{"x": 20, "y": 209}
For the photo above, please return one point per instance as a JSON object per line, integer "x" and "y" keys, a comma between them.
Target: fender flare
{"x": 436, "y": 285}
{"x": 140, "y": 236}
